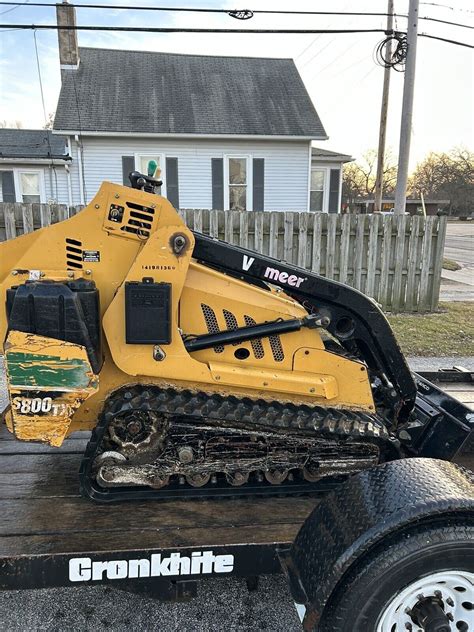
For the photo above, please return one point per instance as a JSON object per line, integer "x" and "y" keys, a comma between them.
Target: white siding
{"x": 286, "y": 166}
{"x": 54, "y": 186}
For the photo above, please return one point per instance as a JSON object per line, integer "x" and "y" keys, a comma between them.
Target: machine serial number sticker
{"x": 91, "y": 256}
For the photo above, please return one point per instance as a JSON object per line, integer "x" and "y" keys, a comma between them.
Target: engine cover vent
{"x": 73, "y": 254}
{"x": 257, "y": 346}
{"x": 211, "y": 324}
{"x": 140, "y": 220}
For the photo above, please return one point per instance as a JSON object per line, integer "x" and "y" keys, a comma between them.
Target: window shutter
{"x": 8, "y": 186}
{"x": 258, "y": 183}
{"x": 334, "y": 190}
{"x": 217, "y": 183}
{"x": 128, "y": 165}
{"x": 172, "y": 187}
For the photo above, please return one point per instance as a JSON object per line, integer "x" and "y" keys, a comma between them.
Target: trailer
{"x": 50, "y": 536}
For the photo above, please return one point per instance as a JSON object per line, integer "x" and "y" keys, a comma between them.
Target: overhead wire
{"x": 161, "y": 29}
{"x": 241, "y": 15}
{"x": 48, "y": 139}
{"x": 165, "y": 29}
{"x": 445, "y": 6}
{"x": 18, "y": 5}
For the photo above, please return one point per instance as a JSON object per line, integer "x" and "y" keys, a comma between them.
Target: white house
{"x": 34, "y": 166}
{"x": 226, "y": 132}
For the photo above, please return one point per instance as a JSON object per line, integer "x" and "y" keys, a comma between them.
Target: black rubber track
{"x": 327, "y": 423}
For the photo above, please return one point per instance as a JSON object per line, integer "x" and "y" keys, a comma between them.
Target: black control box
{"x": 147, "y": 312}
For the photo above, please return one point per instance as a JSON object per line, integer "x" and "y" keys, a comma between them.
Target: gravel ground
{"x": 220, "y": 605}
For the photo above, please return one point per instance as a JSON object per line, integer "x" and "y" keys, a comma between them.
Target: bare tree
{"x": 447, "y": 175}
{"x": 359, "y": 177}
{"x": 50, "y": 122}
{"x": 11, "y": 124}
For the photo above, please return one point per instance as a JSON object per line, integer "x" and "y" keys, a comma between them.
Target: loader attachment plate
{"x": 440, "y": 424}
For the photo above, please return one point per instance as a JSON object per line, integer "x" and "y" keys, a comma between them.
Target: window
{"x": 238, "y": 184}
{"x": 141, "y": 164}
{"x": 30, "y": 186}
{"x": 318, "y": 184}
{"x": 7, "y": 186}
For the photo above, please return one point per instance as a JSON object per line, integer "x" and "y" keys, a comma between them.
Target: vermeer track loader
{"x": 202, "y": 368}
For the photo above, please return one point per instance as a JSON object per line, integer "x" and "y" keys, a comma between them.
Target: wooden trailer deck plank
{"x": 99, "y": 542}
{"x": 67, "y": 515}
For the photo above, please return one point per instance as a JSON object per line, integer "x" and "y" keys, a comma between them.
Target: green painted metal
{"x": 34, "y": 369}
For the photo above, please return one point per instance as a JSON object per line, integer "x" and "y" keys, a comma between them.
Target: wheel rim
{"x": 453, "y": 588}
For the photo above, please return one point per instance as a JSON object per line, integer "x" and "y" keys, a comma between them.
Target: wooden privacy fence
{"x": 395, "y": 260}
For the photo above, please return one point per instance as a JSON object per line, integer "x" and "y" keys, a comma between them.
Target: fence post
{"x": 372, "y": 255}
{"x": 45, "y": 215}
{"x": 9, "y": 214}
{"x": 303, "y": 240}
{"x": 411, "y": 294}
{"x": 317, "y": 231}
{"x": 345, "y": 239}
{"x": 359, "y": 250}
{"x": 397, "y": 287}
{"x": 244, "y": 229}
{"x": 385, "y": 268}
{"x": 438, "y": 261}
{"x": 424, "y": 294}
{"x": 331, "y": 245}
{"x": 258, "y": 228}
{"x": 288, "y": 238}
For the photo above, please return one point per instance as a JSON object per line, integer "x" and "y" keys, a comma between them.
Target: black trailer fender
{"x": 360, "y": 513}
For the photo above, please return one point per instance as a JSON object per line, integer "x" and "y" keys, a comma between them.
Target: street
{"x": 460, "y": 243}
{"x": 459, "y": 246}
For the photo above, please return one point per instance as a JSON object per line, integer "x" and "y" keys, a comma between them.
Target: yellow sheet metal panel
{"x": 352, "y": 379}
{"x": 323, "y": 387}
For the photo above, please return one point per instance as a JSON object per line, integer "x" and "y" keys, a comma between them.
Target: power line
{"x": 445, "y": 6}
{"x": 14, "y": 8}
{"x": 121, "y": 7}
{"x": 445, "y": 39}
{"x": 45, "y": 118}
{"x": 164, "y": 29}
{"x": 242, "y": 15}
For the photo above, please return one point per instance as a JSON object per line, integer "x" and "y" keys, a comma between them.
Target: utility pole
{"x": 407, "y": 109}
{"x": 383, "y": 115}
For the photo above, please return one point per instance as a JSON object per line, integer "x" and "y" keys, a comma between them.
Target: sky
{"x": 339, "y": 71}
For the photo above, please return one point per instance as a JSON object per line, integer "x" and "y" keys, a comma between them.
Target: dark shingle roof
{"x": 317, "y": 152}
{"x": 163, "y": 93}
{"x": 31, "y": 143}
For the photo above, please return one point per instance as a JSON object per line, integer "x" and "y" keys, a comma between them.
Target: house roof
{"x": 123, "y": 91}
{"x": 33, "y": 144}
{"x": 325, "y": 154}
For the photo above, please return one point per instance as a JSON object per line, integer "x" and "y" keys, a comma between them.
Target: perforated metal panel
{"x": 211, "y": 324}
{"x": 231, "y": 322}
{"x": 277, "y": 349}
{"x": 257, "y": 346}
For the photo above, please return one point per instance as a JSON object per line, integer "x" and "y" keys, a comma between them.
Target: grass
{"x": 449, "y": 332}
{"x": 449, "y": 264}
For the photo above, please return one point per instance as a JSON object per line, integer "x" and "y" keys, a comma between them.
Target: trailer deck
{"x": 45, "y": 524}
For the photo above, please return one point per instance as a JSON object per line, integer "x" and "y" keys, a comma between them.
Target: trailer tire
{"x": 373, "y": 595}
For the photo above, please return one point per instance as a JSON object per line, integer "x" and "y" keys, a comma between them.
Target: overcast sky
{"x": 339, "y": 70}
